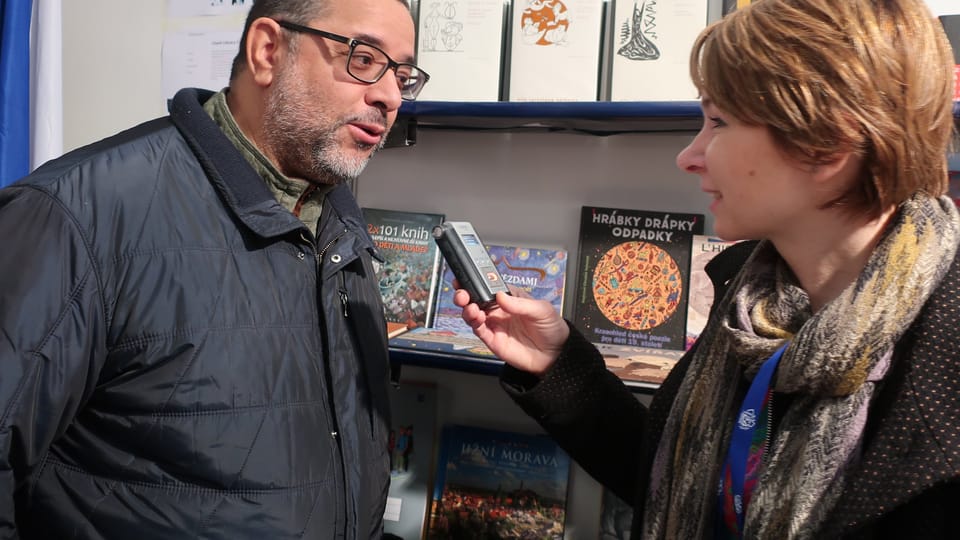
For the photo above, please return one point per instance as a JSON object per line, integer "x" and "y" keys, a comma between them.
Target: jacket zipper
{"x": 341, "y": 285}
{"x": 336, "y": 436}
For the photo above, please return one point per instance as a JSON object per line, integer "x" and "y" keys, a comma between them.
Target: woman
{"x": 826, "y": 129}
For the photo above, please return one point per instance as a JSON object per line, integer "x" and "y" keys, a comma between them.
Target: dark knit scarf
{"x": 831, "y": 368}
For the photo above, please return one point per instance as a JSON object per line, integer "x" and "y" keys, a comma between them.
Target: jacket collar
{"x": 242, "y": 189}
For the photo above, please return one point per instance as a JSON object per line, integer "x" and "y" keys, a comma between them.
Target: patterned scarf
{"x": 831, "y": 368}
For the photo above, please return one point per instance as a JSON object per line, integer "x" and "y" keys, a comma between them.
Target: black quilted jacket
{"x": 179, "y": 356}
{"x": 907, "y": 484}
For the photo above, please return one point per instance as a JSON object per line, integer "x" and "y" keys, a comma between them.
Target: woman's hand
{"x": 528, "y": 334}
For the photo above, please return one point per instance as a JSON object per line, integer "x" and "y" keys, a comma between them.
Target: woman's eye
{"x": 716, "y": 121}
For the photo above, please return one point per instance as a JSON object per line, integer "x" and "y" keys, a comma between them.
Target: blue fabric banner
{"x": 14, "y": 90}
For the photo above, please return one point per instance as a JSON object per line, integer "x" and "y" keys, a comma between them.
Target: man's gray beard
{"x": 311, "y": 152}
{"x": 331, "y": 164}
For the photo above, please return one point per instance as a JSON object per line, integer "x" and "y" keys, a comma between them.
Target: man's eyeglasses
{"x": 367, "y": 63}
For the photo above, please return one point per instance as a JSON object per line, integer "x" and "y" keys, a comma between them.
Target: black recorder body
{"x": 470, "y": 262}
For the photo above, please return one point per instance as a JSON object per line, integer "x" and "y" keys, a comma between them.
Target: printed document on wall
{"x": 194, "y": 8}
{"x": 651, "y": 49}
{"x": 555, "y": 50}
{"x": 460, "y": 46}
{"x": 200, "y": 59}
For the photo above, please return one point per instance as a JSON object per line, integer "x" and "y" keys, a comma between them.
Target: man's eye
{"x": 362, "y": 59}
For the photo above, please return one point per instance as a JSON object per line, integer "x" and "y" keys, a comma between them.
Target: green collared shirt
{"x": 288, "y": 191}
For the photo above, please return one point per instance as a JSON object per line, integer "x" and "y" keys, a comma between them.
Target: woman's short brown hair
{"x": 870, "y": 76}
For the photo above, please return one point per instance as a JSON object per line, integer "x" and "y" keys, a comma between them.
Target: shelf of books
{"x": 639, "y": 290}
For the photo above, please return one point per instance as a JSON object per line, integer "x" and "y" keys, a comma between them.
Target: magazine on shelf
{"x": 555, "y": 50}
{"x": 700, "y": 298}
{"x": 540, "y": 272}
{"x": 461, "y": 40}
{"x": 445, "y": 341}
{"x": 633, "y": 272}
{"x": 413, "y": 440}
{"x": 640, "y": 366}
{"x": 651, "y": 41}
{"x": 498, "y": 484}
{"x": 410, "y": 272}
{"x": 951, "y": 25}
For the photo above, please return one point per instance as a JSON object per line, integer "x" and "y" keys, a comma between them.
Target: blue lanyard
{"x": 743, "y": 434}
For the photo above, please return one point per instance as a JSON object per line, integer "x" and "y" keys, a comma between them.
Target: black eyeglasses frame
{"x": 407, "y": 94}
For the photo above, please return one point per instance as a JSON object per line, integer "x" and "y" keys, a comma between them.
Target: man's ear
{"x": 265, "y": 50}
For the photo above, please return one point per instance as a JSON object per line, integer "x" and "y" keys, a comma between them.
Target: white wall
{"x": 111, "y": 63}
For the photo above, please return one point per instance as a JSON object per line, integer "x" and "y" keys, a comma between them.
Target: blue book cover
{"x": 498, "y": 484}
{"x": 540, "y": 272}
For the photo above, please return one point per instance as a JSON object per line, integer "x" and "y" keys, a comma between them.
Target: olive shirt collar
{"x": 286, "y": 190}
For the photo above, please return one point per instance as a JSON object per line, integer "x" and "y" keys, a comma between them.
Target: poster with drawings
{"x": 651, "y": 42}
{"x": 461, "y": 40}
{"x": 555, "y": 50}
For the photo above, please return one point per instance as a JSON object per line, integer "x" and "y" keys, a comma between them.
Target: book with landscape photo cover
{"x": 633, "y": 273}
{"x": 413, "y": 440}
{"x": 498, "y": 484}
{"x": 410, "y": 273}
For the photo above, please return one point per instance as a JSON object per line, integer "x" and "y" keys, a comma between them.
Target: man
{"x": 191, "y": 336}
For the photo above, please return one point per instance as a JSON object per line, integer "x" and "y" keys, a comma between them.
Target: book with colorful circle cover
{"x": 633, "y": 278}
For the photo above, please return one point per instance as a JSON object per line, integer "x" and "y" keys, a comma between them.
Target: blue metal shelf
{"x": 473, "y": 364}
{"x": 597, "y": 117}
{"x": 434, "y": 359}
{"x": 547, "y": 110}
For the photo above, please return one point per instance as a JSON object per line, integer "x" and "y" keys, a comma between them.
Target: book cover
{"x": 632, "y": 276}
{"x": 540, "y": 272}
{"x": 413, "y": 440}
{"x": 498, "y": 484}
{"x": 441, "y": 340}
{"x": 616, "y": 516}
{"x": 651, "y": 42}
{"x": 639, "y": 366}
{"x": 394, "y": 329}
{"x": 954, "y": 185}
{"x": 951, "y": 25}
{"x": 555, "y": 50}
{"x": 700, "y": 299}
{"x": 461, "y": 40}
{"x": 410, "y": 273}
{"x": 733, "y": 5}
